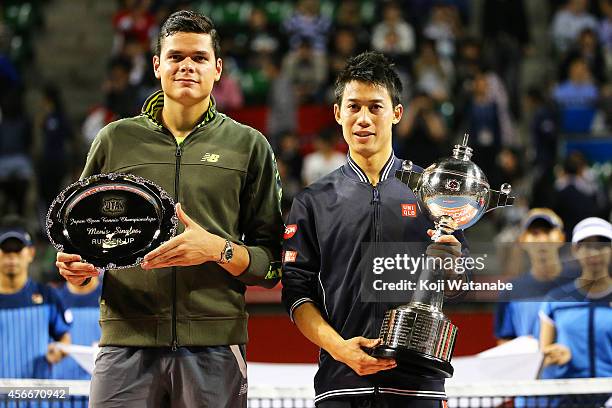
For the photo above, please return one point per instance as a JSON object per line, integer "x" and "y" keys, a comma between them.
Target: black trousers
{"x": 381, "y": 401}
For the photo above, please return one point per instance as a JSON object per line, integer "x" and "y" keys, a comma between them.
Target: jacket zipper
{"x": 179, "y": 154}
{"x": 376, "y": 221}
{"x": 376, "y": 202}
{"x": 377, "y": 307}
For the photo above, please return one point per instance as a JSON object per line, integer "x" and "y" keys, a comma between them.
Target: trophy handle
{"x": 500, "y": 198}
{"x": 408, "y": 176}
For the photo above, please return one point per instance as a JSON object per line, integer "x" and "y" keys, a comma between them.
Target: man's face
{"x": 542, "y": 246}
{"x": 15, "y": 258}
{"x": 187, "y": 67}
{"x": 367, "y": 115}
{"x": 120, "y": 78}
{"x": 593, "y": 254}
{"x": 579, "y": 72}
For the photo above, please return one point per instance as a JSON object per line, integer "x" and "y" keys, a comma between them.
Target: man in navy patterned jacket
{"x": 359, "y": 202}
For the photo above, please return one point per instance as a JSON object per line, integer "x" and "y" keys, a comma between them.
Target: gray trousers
{"x": 135, "y": 377}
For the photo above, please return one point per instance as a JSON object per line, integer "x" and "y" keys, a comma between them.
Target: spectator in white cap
{"x": 593, "y": 229}
{"x": 576, "y": 328}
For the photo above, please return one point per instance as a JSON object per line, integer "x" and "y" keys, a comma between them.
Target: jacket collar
{"x": 353, "y": 171}
{"x": 154, "y": 104}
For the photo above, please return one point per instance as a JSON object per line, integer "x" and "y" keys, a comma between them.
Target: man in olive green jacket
{"x": 174, "y": 329}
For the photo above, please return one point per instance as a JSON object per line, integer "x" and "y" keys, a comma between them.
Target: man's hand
{"x": 446, "y": 246}
{"x": 556, "y": 354}
{"x": 73, "y": 270}
{"x": 193, "y": 247}
{"x": 54, "y": 354}
{"x": 352, "y": 354}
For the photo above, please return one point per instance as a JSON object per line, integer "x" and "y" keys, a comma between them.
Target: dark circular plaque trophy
{"x": 111, "y": 220}
{"x": 456, "y": 194}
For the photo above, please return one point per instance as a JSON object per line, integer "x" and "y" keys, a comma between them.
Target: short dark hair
{"x": 187, "y": 21}
{"x": 120, "y": 62}
{"x": 574, "y": 163}
{"x": 540, "y": 224}
{"x": 373, "y": 68}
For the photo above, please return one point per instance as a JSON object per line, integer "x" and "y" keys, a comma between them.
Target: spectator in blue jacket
{"x": 541, "y": 238}
{"x": 576, "y": 328}
{"x": 32, "y": 315}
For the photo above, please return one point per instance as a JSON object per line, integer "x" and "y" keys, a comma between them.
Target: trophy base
{"x": 407, "y": 356}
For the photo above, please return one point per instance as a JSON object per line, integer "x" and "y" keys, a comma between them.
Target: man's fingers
{"x": 380, "y": 363}
{"x": 76, "y": 266}
{"x": 162, "y": 260}
{"x": 368, "y": 343}
{"x": 80, "y": 274}
{"x": 182, "y": 215}
{"x": 363, "y": 363}
{"x": 76, "y": 280}
{"x": 162, "y": 249}
{"x": 556, "y": 354}
{"x": 155, "y": 262}
{"x": 442, "y": 246}
{"x": 387, "y": 367}
{"x": 367, "y": 361}
{"x": 74, "y": 271}
{"x": 444, "y": 250}
{"x": 177, "y": 260}
{"x": 168, "y": 246}
{"x": 64, "y": 257}
{"x": 448, "y": 239}
{"x": 54, "y": 355}
{"x": 371, "y": 367}
{"x": 551, "y": 349}
{"x": 445, "y": 237}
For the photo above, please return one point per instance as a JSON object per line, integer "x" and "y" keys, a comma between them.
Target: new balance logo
{"x": 210, "y": 157}
{"x": 244, "y": 388}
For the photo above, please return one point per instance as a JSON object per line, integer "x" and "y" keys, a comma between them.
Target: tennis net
{"x": 570, "y": 393}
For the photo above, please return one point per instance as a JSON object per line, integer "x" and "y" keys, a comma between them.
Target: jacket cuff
{"x": 297, "y": 303}
{"x": 261, "y": 270}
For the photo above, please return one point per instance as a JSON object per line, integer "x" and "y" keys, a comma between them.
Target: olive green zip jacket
{"x": 225, "y": 176}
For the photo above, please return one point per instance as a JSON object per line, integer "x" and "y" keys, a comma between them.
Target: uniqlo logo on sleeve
{"x": 290, "y": 256}
{"x": 408, "y": 210}
{"x": 290, "y": 231}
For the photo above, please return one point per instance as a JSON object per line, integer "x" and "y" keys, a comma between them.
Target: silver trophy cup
{"x": 456, "y": 194}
